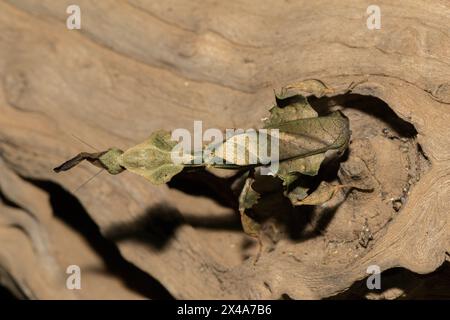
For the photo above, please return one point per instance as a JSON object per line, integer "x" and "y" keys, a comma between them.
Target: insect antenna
{"x": 88, "y": 180}
{"x": 78, "y": 160}
{"x": 79, "y": 139}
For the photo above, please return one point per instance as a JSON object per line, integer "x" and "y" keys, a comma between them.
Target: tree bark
{"x": 138, "y": 66}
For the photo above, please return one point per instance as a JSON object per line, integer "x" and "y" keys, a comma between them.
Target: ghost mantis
{"x": 305, "y": 141}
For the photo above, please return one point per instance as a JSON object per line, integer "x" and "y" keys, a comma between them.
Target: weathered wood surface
{"x": 137, "y": 66}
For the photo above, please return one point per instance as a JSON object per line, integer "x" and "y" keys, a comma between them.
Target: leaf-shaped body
{"x": 289, "y": 169}
{"x": 247, "y": 199}
{"x": 244, "y": 148}
{"x": 288, "y": 109}
{"x": 304, "y": 137}
{"x": 152, "y": 158}
{"x": 324, "y": 192}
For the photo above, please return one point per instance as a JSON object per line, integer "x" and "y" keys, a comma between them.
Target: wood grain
{"x": 138, "y": 66}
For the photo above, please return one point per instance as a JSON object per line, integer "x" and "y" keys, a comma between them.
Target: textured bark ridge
{"x": 139, "y": 66}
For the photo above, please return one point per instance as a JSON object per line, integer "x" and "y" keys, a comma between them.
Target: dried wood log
{"x": 138, "y": 66}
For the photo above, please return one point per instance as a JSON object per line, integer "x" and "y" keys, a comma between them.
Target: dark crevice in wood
{"x": 370, "y": 105}
{"x": 6, "y": 201}
{"x": 6, "y": 294}
{"x": 435, "y": 285}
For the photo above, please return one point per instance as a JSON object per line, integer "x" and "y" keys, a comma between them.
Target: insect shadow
{"x": 157, "y": 225}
